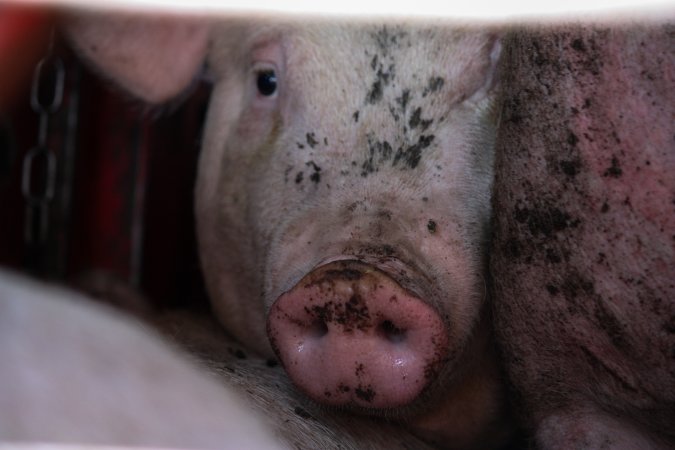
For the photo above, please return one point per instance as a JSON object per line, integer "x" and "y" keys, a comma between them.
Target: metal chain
{"x": 38, "y": 182}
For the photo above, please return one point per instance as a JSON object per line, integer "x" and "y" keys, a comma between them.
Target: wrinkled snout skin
{"x": 375, "y": 152}
{"x": 583, "y": 259}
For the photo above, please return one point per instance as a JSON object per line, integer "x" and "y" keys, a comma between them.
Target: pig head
{"x": 342, "y": 201}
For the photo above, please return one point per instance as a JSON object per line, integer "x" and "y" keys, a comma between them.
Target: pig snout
{"x": 348, "y": 334}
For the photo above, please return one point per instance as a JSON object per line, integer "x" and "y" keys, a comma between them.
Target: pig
{"x": 74, "y": 372}
{"x": 583, "y": 253}
{"x": 77, "y": 372}
{"x": 342, "y": 201}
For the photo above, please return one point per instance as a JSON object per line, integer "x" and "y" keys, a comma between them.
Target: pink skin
{"x": 584, "y": 234}
{"x": 349, "y": 334}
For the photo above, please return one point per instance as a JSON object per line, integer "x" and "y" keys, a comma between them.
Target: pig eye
{"x": 266, "y": 81}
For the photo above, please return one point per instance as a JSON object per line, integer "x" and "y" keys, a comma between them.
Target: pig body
{"x": 583, "y": 259}
{"x": 76, "y": 373}
{"x": 342, "y": 204}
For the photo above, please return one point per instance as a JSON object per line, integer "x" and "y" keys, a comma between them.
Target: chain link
{"x": 40, "y": 164}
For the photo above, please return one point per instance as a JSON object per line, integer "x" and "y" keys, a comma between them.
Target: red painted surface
{"x": 24, "y": 34}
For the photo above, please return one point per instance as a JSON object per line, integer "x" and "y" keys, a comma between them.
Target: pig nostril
{"x": 391, "y": 332}
{"x": 318, "y": 329}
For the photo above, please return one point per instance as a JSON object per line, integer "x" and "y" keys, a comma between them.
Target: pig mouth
{"x": 349, "y": 335}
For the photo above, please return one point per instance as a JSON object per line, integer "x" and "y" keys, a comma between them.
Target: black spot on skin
{"x": 403, "y": 99}
{"x": 570, "y": 167}
{"x": 384, "y": 214}
{"x": 366, "y": 394}
{"x": 614, "y": 170}
{"x": 301, "y": 146}
{"x": 311, "y": 140}
{"x": 378, "y": 152}
{"x": 431, "y": 226}
{"x": 416, "y": 120}
{"x": 601, "y": 257}
{"x": 313, "y": 165}
{"x": 552, "y": 289}
{"x": 386, "y": 38}
{"x": 604, "y": 208}
{"x": 325, "y": 141}
{"x": 575, "y": 285}
{"x": 669, "y": 327}
{"x": 435, "y": 83}
{"x": 355, "y": 116}
{"x": 572, "y": 139}
{"x": 299, "y": 177}
{"x": 411, "y": 156}
{"x": 302, "y": 413}
{"x": 382, "y": 80}
{"x": 393, "y": 113}
{"x": 373, "y": 63}
{"x": 578, "y": 45}
{"x": 316, "y": 175}
{"x": 545, "y": 220}
{"x": 375, "y": 93}
{"x": 350, "y": 315}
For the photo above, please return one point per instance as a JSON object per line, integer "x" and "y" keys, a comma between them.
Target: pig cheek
{"x": 462, "y": 269}
{"x": 257, "y": 123}
{"x": 233, "y": 139}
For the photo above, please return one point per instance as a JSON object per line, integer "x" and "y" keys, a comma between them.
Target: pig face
{"x": 335, "y": 147}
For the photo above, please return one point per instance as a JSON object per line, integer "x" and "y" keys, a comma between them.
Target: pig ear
{"x": 488, "y": 62}
{"x": 153, "y": 57}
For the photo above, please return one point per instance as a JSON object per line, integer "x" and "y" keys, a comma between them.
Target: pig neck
{"x": 465, "y": 418}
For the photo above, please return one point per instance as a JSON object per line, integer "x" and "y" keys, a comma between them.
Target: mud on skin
{"x": 583, "y": 258}
{"x": 339, "y": 302}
